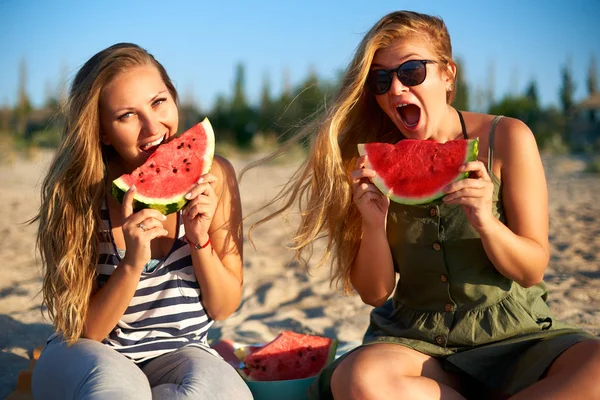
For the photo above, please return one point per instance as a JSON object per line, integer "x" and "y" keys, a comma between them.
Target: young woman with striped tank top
{"x": 133, "y": 294}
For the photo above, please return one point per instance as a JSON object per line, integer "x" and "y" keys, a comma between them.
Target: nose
{"x": 397, "y": 87}
{"x": 150, "y": 125}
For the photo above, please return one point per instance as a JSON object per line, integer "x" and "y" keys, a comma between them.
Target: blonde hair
{"x": 321, "y": 185}
{"x": 74, "y": 188}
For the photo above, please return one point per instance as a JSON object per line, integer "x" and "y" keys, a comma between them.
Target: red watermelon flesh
{"x": 289, "y": 356}
{"x": 416, "y": 171}
{"x": 171, "y": 171}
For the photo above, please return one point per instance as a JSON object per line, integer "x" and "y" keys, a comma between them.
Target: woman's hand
{"x": 474, "y": 194}
{"x": 200, "y": 210}
{"x": 139, "y": 229}
{"x": 371, "y": 203}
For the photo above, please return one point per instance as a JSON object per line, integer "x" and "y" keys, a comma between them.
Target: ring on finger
{"x": 142, "y": 226}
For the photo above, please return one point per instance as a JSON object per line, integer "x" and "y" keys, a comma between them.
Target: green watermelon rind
{"x": 173, "y": 204}
{"x": 471, "y": 155}
{"x": 330, "y": 357}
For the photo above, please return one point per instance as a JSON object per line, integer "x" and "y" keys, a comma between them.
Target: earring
{"x": 450, "y": 88}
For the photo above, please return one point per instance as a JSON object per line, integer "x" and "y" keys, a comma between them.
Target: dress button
{"x": 437, "y": 246}
{"x": 448, "y": 307}
{"x": 433, "y": 212}
{"x": 443, "y": 278}
{"x": 440, "y": 340}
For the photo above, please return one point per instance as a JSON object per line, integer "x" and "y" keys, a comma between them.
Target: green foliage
{"x": 241, "y": 127}
{"x": 547, "y": 125}
{"x": 593, "y": 165}
{"x": 592, "y": 79}
{"x": 567, "y": 91}
{"x": 461, "y": 97}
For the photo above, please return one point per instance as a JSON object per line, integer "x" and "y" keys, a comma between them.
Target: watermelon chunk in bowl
{"x": 285, "y": 367}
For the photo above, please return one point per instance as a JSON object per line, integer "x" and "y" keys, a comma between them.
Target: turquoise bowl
{"x": 294, "y": 389}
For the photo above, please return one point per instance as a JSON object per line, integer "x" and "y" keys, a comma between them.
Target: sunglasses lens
{"x": 380, "y": 81}
{"x": 412, "y": 73}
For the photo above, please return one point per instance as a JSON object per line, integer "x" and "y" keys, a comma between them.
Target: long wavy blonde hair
{"x": 321, "y": 185}
{"x": 73, "y": 190}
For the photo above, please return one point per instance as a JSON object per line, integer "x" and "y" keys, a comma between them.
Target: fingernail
{"x": 166, "y": 232}
{"x": 187, "y": 196}
{"x": 132, "y": 188}
{"x": 164, "y": 217}
{"x": 200, "y": 180}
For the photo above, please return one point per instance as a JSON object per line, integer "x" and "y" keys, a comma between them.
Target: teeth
{"x": 152, "y": 144}
{"x": 401, "y": 105}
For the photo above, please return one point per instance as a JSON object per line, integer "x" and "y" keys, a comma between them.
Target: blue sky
{"x": 200, "y": 42}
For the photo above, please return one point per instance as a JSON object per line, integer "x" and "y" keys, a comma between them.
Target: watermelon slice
{"x": 289, "y": 356}
{"x": 416, "y": 171}
{"x": 171, "y": 171}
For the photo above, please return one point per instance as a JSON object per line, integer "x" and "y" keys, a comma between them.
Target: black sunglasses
{"x": 410, "y": 73}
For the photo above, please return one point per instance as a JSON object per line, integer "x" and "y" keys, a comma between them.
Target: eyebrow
{"x": 120, "y": 110}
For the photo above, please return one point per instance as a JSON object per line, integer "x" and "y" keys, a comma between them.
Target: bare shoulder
{"x": 223, "y": 169}
{"x": 513, "y": 139}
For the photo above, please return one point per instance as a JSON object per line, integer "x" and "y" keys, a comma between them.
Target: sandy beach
{"x": 278, "y": 294}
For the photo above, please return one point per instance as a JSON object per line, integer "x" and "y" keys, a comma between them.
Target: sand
{"x": 278, "y": 294}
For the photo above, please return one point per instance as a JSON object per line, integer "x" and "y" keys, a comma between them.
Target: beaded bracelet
{"x": 198, "y": 246}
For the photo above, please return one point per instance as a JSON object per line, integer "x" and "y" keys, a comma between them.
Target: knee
{"x": 592, "y": 350}
{"x": 358, "y": 376}
{"x": 585, "y": 354}
{"x": 86, "y": 369}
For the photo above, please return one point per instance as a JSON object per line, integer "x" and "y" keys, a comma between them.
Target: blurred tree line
{"x": 241, "y": 124}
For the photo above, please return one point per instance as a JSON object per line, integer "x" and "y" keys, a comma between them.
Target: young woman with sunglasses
{"x": 132, "y": 294}
{"x": 467, "y": 316}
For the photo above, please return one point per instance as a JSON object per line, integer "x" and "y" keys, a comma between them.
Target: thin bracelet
{"x": 198, "y": 246}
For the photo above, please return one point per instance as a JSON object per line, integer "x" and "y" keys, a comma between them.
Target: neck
{"x": 450, "y": 126}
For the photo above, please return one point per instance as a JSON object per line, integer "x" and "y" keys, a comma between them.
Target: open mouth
{"x": 410, "y": 114}
{"x": 152, "y": 146}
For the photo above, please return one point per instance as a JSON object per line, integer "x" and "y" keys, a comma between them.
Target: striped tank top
{"x": 166, "y": 311}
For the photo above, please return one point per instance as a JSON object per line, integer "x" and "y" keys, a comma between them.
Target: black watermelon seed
{"x": 185, "y": 160}
{"x": 313, "y": 358}
{"x": 152, "y": 165}
{"x": 157, "y": 170}
{"x": 263, "y": 368}
{"x": 174, "y": 170}
{"x": 189, "y": 146}
{"x": 141, "y": 181}
{"x": 299, "y": 354}
{"x": 187, "y": 169}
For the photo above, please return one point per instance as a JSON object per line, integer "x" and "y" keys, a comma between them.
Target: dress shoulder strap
{"x": 491, "y": 142}
{"x": 462, "y": 125}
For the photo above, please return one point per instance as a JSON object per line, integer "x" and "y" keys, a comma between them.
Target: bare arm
{"x": 108, "y": 304}
{"x": 520, "y": 249}
{"x": 372, "y": 272}
{"x": 218, "y": 268}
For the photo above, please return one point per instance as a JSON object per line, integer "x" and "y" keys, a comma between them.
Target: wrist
{"x": 128, "y": 265}
{"x": 202, "y": 243}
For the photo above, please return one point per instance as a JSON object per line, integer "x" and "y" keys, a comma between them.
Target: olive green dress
{"x": 452, "y": 304}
